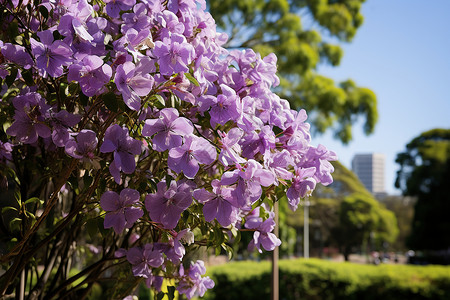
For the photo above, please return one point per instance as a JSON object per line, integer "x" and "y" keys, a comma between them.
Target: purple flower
{"x": 73, "y": 22}
{"x": 263, "y": 235}
{"x": 91, "y": 73}
{"x": 225, "y": 107}
{"x": 5, "y": 151}
{"x": 193, "y": 284}
{"x": 254, "y": 143}
{"x": 17, "y": 54}
{"x": 249, "y": 179}
{"x": 219, "y": 204}
{"x": 121, "y": 213}
{"x": 134, "y": 81}
{"x": 124, "y": 147}
{"x": 174, "y": 54}
{"x": 29, "y": 118}
{"x": 169, "y": 129}
{"x": 175, "y": 250}
{"x": 296, "y": 129}
{"x": 50, "y": 55}
{"x": 167, "y": 204}
{"x": 154, "y": 281}
{"x": 60, "y": 122}
{"x": 144, "y": 259}
{"x": 302, "y": 185}
{"x": 320, "y": 158}
{"x": 114, "y": 7}
{"x": 231, "y": 150}
{"x": 187, "y": 157}
{"x": 278, "y": 163}
{"x": 83, "y": 146}
{"x": 138, "y": 19}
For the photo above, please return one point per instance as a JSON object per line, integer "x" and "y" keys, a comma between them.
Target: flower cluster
{"x": 187, "y": 137}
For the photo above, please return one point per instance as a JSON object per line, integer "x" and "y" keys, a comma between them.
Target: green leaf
{"x": 111, "y": 102}
{"x": 5, "y": 209}
{"x": 237, "y": 235}
{"x": 92, "y": 227}
{"x": 15, "y": 223}
{"x": 87, "y": 180}
{"x": 9, "y": 80}
{"x": 13, "y": 30}
{"x": 43, "y": 11}
{"x": 191, "y": 79}
{"x": 229, "y": 250}
{"x": 219, "y": 236}
{"x": 171, "y": 292}
{"x": 83, "y": 99}
{"x": 28, "y": 77}
{"x": 160, "y": 102}
{"x": 28, "y": 214}
{"x": 34, "y": 200}
{"x": 57, "y": 35}
{"x": 168, "y": 180}
{"x": 160, "y": 296}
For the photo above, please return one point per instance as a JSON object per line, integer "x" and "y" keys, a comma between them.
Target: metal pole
{"x": 275, "y": 254}
{"x": 306, "y": 229}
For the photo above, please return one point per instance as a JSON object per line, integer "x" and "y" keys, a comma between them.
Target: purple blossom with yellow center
{"x": 91, "y": 73}
{"x": 134, "y": 81}
{"x": 30, "y": 118}
{"x": 83, "y": 145}
{"x": 144, "y": 259}
{"x": 302, "y": 186}
{"x": 168, "y": 129}
{"x": 248, "y": 179}
{"x": 263, "y": 235}
{"x": 121, "y": 212}
{"x": 225, "y": 107}
{"x": 61, "y": 122}
{"x": 220, "y": 204}
{"x": 124, "y": 147}
{"x": 174, "y": 54}
{"x": 50, "y": 55}
{"x": 230, "y": 153}
{"x": 187, "y": 157}
{"x": 16, "y": 54}
{"x": 168, "y": 203}
{"x": 193, "y": 284}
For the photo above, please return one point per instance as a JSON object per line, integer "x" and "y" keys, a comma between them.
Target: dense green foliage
{"x": 303, "y": 34}
{"x": 403, "y": 209}
{"x": 319, "y": 279}
{"x": 424, "y": 173}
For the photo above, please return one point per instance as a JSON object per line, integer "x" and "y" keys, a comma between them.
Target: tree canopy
{"x": 424, "y": 173}
{"x": 303, "y": 34}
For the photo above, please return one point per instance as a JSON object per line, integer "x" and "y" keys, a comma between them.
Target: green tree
{"x": 403, "y": 208}
{"x": 424, "y": 173}
{"x": 303, "y": 34}
{"x": 348, "y": 215}
{"x": 361, "y": 216}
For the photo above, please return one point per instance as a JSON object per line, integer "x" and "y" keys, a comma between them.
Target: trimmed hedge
{"x": 320, "y": 279}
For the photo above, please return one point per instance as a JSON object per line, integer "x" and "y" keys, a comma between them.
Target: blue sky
{"x": 402, "y": 53}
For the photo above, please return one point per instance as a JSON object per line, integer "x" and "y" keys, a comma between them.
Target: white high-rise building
{"x": 370, "y": 170}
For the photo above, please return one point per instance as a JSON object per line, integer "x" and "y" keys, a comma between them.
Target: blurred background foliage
{"x": 424, "y": 174}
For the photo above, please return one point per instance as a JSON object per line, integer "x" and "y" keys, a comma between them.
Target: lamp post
{"x": 306, "y": 205}
{"x": 275, "y": 254}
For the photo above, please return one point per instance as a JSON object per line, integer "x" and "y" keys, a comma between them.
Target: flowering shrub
{"x": 132, "y": 138}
